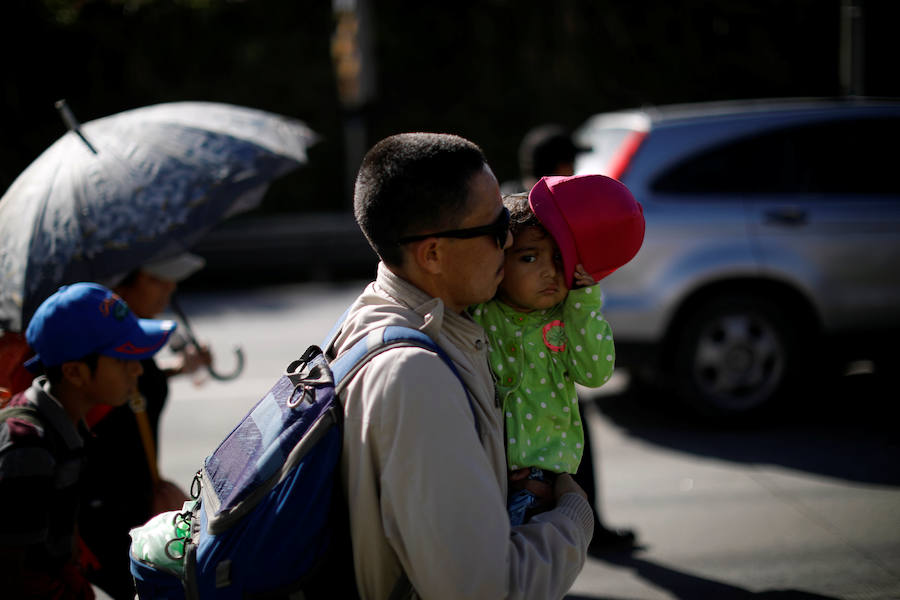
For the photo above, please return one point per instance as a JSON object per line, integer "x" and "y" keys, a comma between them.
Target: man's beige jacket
{"x": 426, "y": 492}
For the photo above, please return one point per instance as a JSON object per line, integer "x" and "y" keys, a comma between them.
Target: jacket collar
{"x": 460, "y": 328}
{"x": 50, "y": 408}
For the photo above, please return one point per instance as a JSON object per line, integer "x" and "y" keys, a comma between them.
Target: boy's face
{"x": 533, "y": 274}
{"x": 113, "y": 380}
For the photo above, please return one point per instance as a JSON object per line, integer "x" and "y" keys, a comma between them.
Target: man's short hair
{"x": 413, "y": 183}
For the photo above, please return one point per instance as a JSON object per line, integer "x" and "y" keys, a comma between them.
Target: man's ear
{"x": 427, "y": 255}
{"x": 76, "y": 373}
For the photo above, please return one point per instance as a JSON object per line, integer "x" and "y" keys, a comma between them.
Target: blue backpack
{"x": 270, "y": 520}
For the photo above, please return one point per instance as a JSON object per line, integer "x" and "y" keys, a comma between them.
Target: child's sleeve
{"x": 590, "y": 352}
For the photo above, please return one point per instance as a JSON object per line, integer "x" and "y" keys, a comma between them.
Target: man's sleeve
{"x": 442, "y": 507}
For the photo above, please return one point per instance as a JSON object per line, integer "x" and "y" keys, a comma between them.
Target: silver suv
{"x": 772, "y": 246}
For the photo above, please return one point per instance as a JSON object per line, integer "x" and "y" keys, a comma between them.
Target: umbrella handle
{"x": 238, "y": 368}
{"x": 189, "y": 334}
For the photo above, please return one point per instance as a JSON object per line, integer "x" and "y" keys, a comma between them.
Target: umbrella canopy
{"x": 138, "y": 185}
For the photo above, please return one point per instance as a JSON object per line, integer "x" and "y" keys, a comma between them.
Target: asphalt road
{"x": 803, "y": 505}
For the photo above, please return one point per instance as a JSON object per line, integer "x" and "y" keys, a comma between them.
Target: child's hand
{"x": 518, "y": 480}
{"x": 167, "y": 496}
{"x": 582, "y": 277}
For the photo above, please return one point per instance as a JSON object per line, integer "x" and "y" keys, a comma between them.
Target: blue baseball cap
{"x": 85, "y": 318}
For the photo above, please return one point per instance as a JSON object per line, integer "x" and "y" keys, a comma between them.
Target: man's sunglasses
{"x": 499, "y": 230}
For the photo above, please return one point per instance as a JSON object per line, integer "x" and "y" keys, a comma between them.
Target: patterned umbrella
{"x": 143, "y": 184}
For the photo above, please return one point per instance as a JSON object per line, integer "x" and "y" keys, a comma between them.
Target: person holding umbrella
{"x": 112, "y": 196}
{"x": 125, "y": 440}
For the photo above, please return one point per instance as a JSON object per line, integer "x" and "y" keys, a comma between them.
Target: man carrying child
{"x": 424, "y": 471}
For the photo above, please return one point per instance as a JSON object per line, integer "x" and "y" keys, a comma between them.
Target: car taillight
{"x": 619, "y": 163}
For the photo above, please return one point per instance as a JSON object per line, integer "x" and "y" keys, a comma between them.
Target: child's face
{"x": 114, "y": 380}
{"x": 533, "y": 275}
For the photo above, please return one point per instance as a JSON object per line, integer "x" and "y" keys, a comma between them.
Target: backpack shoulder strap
{"x": 345, "y": 367}
{"x": 348, "y": 364}
{"x": 335, "y": 331}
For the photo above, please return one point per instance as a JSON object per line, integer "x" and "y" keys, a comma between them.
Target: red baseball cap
{"x": 594, "y": 220}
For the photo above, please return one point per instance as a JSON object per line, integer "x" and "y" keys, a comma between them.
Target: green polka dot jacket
{"x": 537, "y": 358}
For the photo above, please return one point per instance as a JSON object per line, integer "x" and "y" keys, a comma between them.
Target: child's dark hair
{"x": 55, "y": 374}
{"x": 521, "y": 216}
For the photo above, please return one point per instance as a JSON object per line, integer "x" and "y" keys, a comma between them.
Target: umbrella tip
{"x": 71, "y": 122}
{"x": 66, "y": 113}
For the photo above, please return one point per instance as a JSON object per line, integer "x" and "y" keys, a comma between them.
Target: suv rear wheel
{"x": 733, "y": 355}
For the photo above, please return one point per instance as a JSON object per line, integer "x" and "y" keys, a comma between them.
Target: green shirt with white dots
{"x": 537, "y": 358}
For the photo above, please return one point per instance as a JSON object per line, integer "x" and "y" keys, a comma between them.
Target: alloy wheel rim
{"x": 739, "y": 361}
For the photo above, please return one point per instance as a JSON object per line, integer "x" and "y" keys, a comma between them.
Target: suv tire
{"x": 733, "y": 354}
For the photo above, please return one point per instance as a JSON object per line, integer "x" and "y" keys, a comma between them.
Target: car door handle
{"x": 786, "y": 216}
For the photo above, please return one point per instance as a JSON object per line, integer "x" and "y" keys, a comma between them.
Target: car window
{"x": 846, "y": 156}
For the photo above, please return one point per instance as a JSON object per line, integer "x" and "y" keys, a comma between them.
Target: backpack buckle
{"x": 308, "y": 394}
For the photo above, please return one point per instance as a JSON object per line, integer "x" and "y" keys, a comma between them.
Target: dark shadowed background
{"x": 356, "y": 71}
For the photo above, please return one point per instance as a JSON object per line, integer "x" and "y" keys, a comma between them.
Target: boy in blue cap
{"x": 88, "y": 346}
